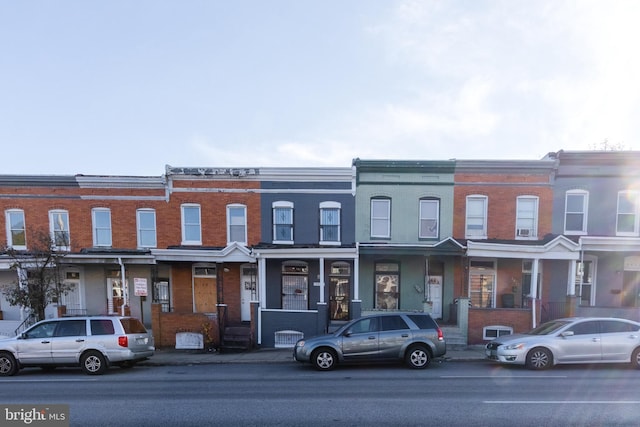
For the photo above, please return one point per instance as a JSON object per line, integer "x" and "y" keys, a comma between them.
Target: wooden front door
{"x": 205, "y": 294}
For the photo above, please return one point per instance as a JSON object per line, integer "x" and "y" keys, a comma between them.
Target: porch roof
{"x": 610, "y": 244}
{"x": 448, "y": 246}
{"x": 551, "y": 247}
{"x": 233, "y": 252}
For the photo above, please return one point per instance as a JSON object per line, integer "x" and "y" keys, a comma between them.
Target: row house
{"x": 307, "y": 260}
{"x": 404, "y": 228}
{"x": 503, "y": 217}
{"x": 596, "y": 204}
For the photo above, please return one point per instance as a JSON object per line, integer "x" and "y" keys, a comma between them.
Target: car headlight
{"x": 518, "y": 346}
{"x": 300, "y": 343}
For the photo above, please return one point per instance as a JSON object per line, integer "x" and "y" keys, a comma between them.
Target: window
{"x": 283, "y": 222}
{"x": 429, "y": 213}
{"x": 585, "y": 328}
{"x": 71, "y": 328}
{"x": 295, "y": 285}
{"x": 146, "y": 228}
{"x": 387, "y": 278}
{"x": 329, "y": 222}
{"x": 392, "y": 323}
{"x": 191, "y": 233}
{"x": 527, "y": 217}
{"x": 627, "y": 220}
{"x": 59, "y": 228}
{"x": 102, "y": 327}
{"x": 575, "y": 220}
{"x": 616, "y": 326}
{"x": 16, "y": 231}
{"x": 365, "y": 326}
{"x": 237, "y": 223}
{"x": 101, "y": 226}
{"x": 381, "y": 218}
{"x": 476, "y": 217}
{"x": 160, "y": 294}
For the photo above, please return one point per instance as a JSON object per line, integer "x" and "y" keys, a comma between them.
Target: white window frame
{"x": 435, "y": 231}
{"x": 584, "y": 212}
{"x": 241, "y": 222}
{"x": 383, "y": 219}
{"x": 635, "y": 198}
{"x": 192, "y": 226}
{"x": 11, "y": 227}
{"x": 146, "y": 231}
{"x": 527, "y": 226}
{"x": 56, "y": 216}
{"x": 330, "y": 206}
{"x": 276, "y": 225}
{"x": 481, "y": 233}
{"x": 97, "y": 230}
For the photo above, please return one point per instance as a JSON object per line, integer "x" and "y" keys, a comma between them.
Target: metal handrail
{"x": 30, "y": 320}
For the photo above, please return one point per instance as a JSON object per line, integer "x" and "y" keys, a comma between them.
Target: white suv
{"x": 91, "y": 342}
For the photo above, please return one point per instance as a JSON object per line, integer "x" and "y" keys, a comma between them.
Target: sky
{"x": 123, "y": 87}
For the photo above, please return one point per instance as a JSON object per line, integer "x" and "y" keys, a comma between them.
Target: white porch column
{"x": 262, "y": 292}
{"x": 322, "y": 280}
{"x": 571, "y": 280}
{"x": 534, "y": 291}
{"x": 356, "y": 280}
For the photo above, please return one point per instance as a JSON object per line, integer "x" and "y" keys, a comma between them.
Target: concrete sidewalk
{"x": 171, "y": 357}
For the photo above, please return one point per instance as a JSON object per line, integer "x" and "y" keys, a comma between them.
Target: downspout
{"x": 125, "y": 288}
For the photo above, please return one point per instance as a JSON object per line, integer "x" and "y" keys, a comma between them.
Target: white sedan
{"x": 570, "y": 340}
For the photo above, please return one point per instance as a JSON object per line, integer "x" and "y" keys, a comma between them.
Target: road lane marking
{"x": 561, "y": 402}
{"x": 501, "y": 376}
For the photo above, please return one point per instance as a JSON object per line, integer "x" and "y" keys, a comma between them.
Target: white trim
{"x": 138, "y": 227}
{"x": 485, "y": 200}
{"x": 585, "y": 209}
{"x": 183, "y": 224}
{"x": 244, "y": 217}
{"x": 7, "y": 214}
{"x": 94, "y": 211}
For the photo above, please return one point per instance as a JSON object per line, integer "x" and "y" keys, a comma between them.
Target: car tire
{"x": 635, "y": 358}
{"x": 8, "y": 364}
{"x": 417, "y": 357}
{"x": 539, "y": 358}
{"x": 93, "y": 363}
{"x": 324, "y": 359}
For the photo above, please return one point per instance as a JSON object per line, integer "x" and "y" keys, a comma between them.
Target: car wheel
{"x": 324, "y": 359}
{"x": 539, "y": 358}
{"x": 635, "y": 358}
{"x": 417, "y": 357}
{"x": 93, "y": 363}
{"x": 8, "y": 364}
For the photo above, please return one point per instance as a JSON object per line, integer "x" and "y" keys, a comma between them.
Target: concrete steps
{"x": 454, "y": 337}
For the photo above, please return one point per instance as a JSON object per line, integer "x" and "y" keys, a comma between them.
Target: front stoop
{"x": 454, "y": 337}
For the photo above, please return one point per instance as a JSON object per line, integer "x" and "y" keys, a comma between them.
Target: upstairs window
{"x": 283, "y": 222}
{"x": 329, "y": 222}
{"x": 59, "y": 228}
{"x": 146, "y": 219}
{"x": 476, "y": 217}
{"x": 429, "y": 214}
{"x": 16, "y": 231}
{"x": 191, "y": 230}
{"x": 627, "y": 220}
{"x": 101, "y": 227}
{"x": 575, "y": 220}
{"x": 381, "y": 218}
{"x": 237, "y": 224}
{"x": 527, "y": 217}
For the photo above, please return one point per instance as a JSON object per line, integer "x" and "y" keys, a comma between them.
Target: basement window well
{"x": 495, "y": 331}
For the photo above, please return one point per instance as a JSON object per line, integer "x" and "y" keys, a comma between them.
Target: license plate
{"x": 141, "y": 340}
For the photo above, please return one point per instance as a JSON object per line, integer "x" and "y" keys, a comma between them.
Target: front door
{"x": 247, "y": 290}
{"x": 339, "y": 298}
{"x": 205, "y": 294}
{"x": 115, "y": 295}
{"x": 435, "y": 296}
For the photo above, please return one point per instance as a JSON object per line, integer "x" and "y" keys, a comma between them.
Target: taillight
{"x": 123, "y": 341}
{"x": 440, "y": 335}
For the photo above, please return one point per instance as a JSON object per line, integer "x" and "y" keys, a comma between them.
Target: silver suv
{"x": 93, "y": 343}
{"x": 414, "y": 338}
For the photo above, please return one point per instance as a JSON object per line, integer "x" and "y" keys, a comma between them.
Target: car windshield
{"x": 548, "y": 328}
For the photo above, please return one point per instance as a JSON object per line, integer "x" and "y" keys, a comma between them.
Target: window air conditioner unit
{"x": 524, "y": 232}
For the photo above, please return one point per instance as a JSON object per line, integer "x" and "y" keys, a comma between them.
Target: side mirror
{"x": 566, "y": 334}
{"x": 22, "y": 336}
{"x": 347, "y": 333}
